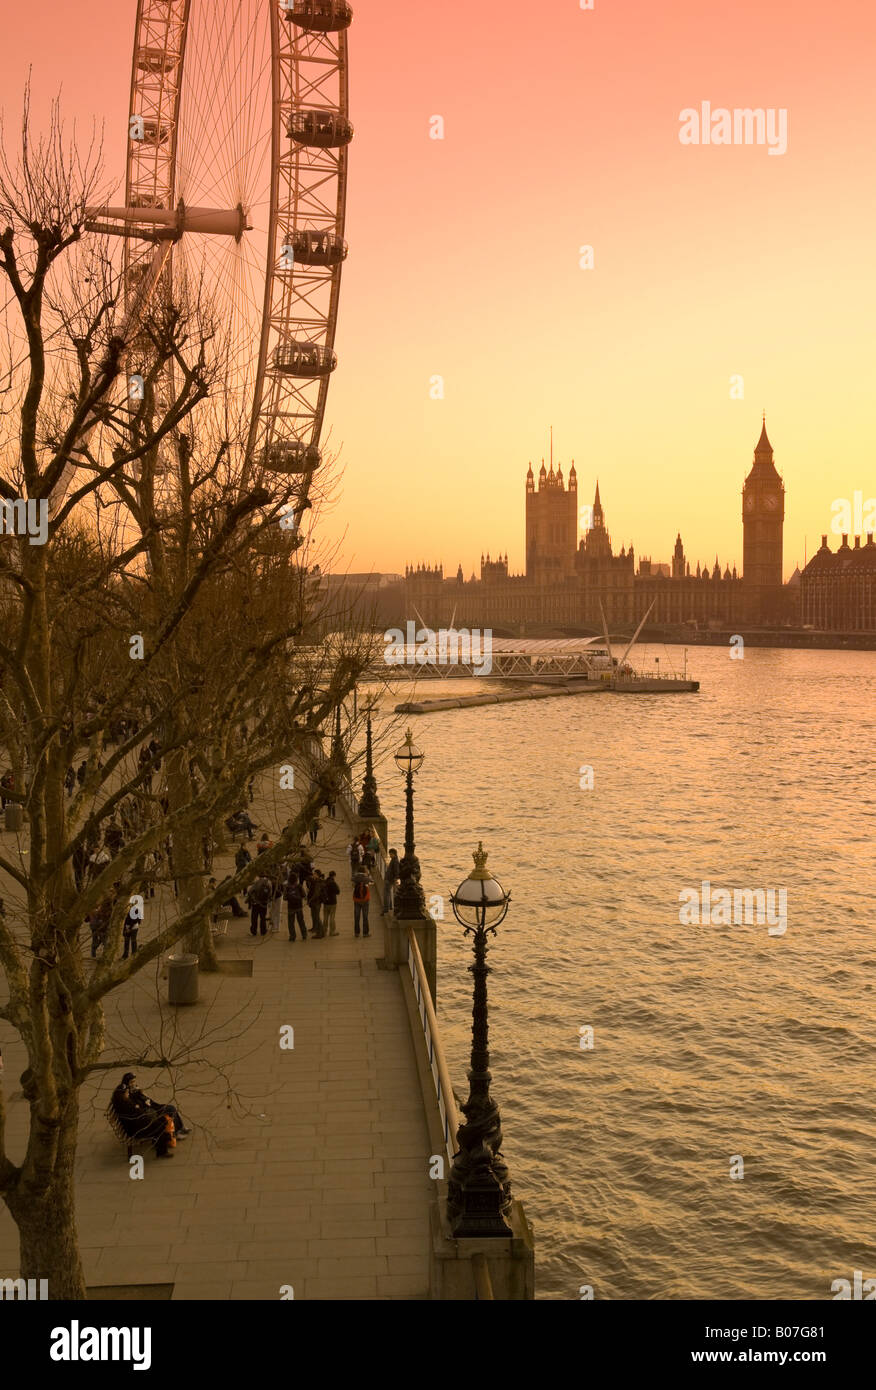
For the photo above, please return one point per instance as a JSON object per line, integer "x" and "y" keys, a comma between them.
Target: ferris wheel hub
{"x": 123, "y": 221}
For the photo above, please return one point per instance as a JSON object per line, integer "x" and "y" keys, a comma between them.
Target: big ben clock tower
{"x": 763, "y": 517}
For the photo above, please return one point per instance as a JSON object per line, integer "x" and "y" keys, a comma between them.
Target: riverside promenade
{"x": 308, "y": 1167}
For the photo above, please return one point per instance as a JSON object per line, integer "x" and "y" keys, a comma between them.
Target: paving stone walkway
{"x": 307, "y": 1167}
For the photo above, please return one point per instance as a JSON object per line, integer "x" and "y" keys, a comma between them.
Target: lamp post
{"x": 369, "y": 804}
{"x": 479, "y": 1188}
{"x": 409, "y": 899}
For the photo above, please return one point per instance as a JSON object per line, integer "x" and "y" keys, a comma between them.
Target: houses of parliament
{"x": 567, "y": 578}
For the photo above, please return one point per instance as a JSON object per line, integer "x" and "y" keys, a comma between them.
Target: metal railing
{"x": 440, "y": 1075}
{"x": 443, "y": 1090}
{"x": 348, "y": 797}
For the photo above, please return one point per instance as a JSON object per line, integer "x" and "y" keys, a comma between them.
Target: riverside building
{"x": 567, "y": 578}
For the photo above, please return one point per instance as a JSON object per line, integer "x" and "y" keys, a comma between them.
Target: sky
{"x": 561, "y": 130}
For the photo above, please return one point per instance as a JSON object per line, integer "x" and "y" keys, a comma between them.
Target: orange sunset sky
{"x": 561, "y": 129}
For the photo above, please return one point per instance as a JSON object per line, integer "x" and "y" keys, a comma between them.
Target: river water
{"x": 710, "y": 1042}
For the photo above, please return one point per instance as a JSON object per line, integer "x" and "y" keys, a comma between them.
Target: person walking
{"x": 276, "y": 877}
{"x": 391, "y": 881}
{"x": 151, "y": 867}
{"x": 331, "y": 891}
{"x": 355, "y": 852}
{"x": 361, "y": 899}
{"x": 295, "y": 906}
{"x": 97, "y": 861}
{"x": 113, "y": 838}
{"x": 144, "y": 762}
{"x": 168, "y": 854}
{"x": 242, "y": 858}
{"x": 98, "y": 922}
{"x": 208, "y": 846}
{"x": 304, "y": 869}
{"x": 314, "y": 829}
{"x": 80, "y": 864}
{"x": 314, "y": 902}
{"x": 258, "y": 895}
{"x": 129, "y": 931}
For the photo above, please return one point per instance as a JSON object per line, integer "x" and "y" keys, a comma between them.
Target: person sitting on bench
{"x": 133, "y": 1106}
{"x": 139, "y": 1122}
{"x": 146, "y": 1101}
{"x": 240, "y": 823}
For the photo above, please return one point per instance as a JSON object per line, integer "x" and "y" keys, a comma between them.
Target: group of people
{"x": 93, "y": 854}
{"x": 363, "y": 854}
{"x": 297, "y": 883}
{"x": 304, "y": 888}
{"x": 131, "y": 818}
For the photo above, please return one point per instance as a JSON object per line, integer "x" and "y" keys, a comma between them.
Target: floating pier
{"x": 631, "y": 685}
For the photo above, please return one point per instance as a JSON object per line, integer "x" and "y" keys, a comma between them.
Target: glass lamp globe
{"x": 480, "y": 900}
{"x": 409, "y": 758}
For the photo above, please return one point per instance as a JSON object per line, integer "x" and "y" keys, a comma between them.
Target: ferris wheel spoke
{"x": 198, "y": 115}
{"x": 205, "y": 192}
{"x": 217, "y": 102}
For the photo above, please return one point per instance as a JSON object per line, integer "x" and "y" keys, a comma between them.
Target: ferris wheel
{"x": 236, "y": 179}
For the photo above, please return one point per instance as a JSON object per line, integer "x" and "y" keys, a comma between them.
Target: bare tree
{"x": 166, "y": 609}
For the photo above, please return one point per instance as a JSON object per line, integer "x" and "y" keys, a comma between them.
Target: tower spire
{"x": 763, "y": 445}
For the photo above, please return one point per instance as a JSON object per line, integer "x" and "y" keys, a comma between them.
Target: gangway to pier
{"x": 450, "y": 654}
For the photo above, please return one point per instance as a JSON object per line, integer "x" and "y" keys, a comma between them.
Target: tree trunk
{"x": 48, "y": 1238}
{"x": 188, "y": 862}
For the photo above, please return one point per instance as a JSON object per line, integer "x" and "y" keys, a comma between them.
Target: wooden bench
{"x": 119, "y": 1130}
{"x": 219, "y": 921}
{"x": 128, "y": 1141}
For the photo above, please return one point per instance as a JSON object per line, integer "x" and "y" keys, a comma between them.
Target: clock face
{"x": 749, "y": 503}
{"x": 772, "y": 503}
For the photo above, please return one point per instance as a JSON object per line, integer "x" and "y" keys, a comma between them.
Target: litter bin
{"x": 182, "y": 979}
{"x": 13, "y": 818}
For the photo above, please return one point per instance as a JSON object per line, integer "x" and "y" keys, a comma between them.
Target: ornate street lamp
{"x": 409, "y": 899}
{"x": 479, "y": 1188}
{"x": 369, "y": 804}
